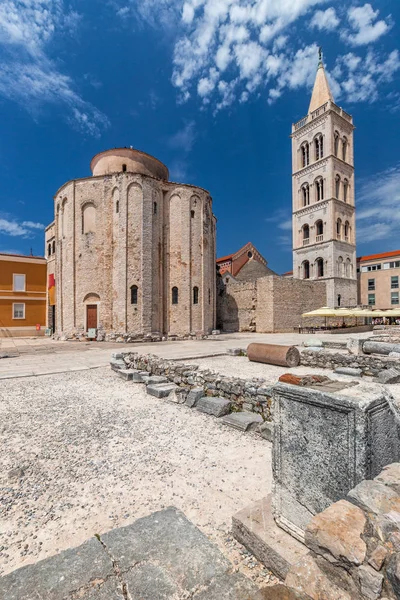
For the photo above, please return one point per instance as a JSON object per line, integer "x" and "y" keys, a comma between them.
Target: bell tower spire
{"x": 321, "y": 92}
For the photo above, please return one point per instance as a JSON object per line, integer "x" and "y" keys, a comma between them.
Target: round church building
{"x": 135, "y": 253}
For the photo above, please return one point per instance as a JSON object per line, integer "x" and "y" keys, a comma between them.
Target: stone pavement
{"x": 159, "y": 557}
{"x": 43, "y": 356}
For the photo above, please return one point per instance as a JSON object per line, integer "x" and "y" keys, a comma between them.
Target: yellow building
{"x": 22, "y": 295}
{"x": 379, "y": 280}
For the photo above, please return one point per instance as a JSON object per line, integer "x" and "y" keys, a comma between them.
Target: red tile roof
{"x": 378, "y": 256}
{"x": 224, "y": 258}
{"x": 288, "y": 273}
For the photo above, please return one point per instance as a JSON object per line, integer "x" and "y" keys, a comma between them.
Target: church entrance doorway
{"x": 91, "y": 316}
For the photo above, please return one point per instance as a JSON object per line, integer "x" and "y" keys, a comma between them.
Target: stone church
{"x": 133, "y": 253}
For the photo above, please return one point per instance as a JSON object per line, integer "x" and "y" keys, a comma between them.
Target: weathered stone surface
{"x": 394, "y": 354}
{"x": 117, "y": 364}
{"x": 370, "y": 582}
{"x": 377, "y": 557}
{"x": 218, "y": 407}
{"x": 255, "y": 528}
{"x": 390, "y": 475}
{"x": 236, "y": 351}
{"x": 354, "y": 434}
{"x": 242, "y": 420}
{"x": 160, "y": 390}
{"x": 137, "y": 376}
{"x": 150, "y": 582}
{"x": 308, "y": 577}
{"x": 355, "y": 346}
{"x": 373, "y": 347}
{"x": 194, "y": 396}
{"x": 267, "y": 430}
{"x": 127, "y": 374}
{"x": 178, "y": 395}
{"x": 348, "y": 371}
{"x": 389, "y": 376}
{"x": 227, "y": 587}
{"x": 157, "y": 379}
{"x": 117, "y": 355}
{"x": 393, "y": 573}
{"x": 280, "y": 592}
{"x": 375, "y": 497}
{"x": 57, "y": 577}
{"x": 336, "y": 534}
{"x": 313, "y": 343}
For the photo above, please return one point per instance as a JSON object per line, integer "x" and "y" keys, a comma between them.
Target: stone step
{"x": 194, "y": 396}
{"x": 139, "y": 376}
{"x": 157, "y": 379}
{"x": 243, "y": 421}
{"x": 127, "y": 374}
{"x": 116, "y": 365}
{"x": 255, "y": 528}
{"x": 160, "y": 390}
{"x": 218, "y": 407}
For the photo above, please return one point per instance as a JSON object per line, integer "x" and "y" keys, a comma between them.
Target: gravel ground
{"x": 84, "y": 452}
{"x": 240, "y": 366}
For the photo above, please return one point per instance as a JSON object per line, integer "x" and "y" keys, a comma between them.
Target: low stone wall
{"x": 369, "y": 364}
{"x": 354, "y": 545}
{"x": 252, "y": 395}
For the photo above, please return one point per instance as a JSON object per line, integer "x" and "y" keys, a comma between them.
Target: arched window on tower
{"x": 337, "y": 186}
{"x": 345, "y": 189}
{"x": 306, "y": 269}
{"x": 54, "y": 247}
{"x": 320, "y": 267}
{"x": 305, "y": 154}
{"x": 336, "y": 143}
{"x": 347, "y": 231}
{"x": 175, "y": 295}
{"x": 124, "y": 168}
{"x": 344, "y": 148}
{"x": 349, "y": 269}
{"x": 195, "y": 295}
{"x": 306, "y": 235}
{"x": 319, "y": 228}
{"x": 319, "y": 189}
{"x": 339, "y": 229}
{"x": 134, "y": 294}
{"x": 340, "y": 266}
{"x": 319, "y": 146}
{"x": 305, "y": 193}
{"x": 154, "y": 208}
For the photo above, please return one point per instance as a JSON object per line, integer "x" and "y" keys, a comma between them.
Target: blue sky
{"x": 210, "y": 87}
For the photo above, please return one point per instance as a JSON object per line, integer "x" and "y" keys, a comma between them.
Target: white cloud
{"x": 286, "y": 225}
{"x": 14, "y": 228}
{"x": 27, "y": 75}
{"x": 325, "y": 19}
{"x": 184, "y": 138}
{"x": 378, "y": 199}
{"x": 365, "y": 27}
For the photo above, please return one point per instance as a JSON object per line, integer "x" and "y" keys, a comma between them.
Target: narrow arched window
{"x": 54, "y": 247}
{"x": 319, "y": 185}
{"x": 117, "y": 206}
{"x": 336, "y": 143}
{"x": 306, "y": 269}
{"x": 155, "y": 208}
{"x": 344, "y": 148}
{"x": 209, "y": 296}
{"x": 195, "y": 295}
{"x": 134, "y": 294}
{"x": 306, "y": 233}
{"x": 339, "y": 229}
{"x": 340, "y": 267}
{"x": 192, "y": 214}
{"x": 337, "y": 186}
{"x": 319, "y": 147}
{"x": 349, "y": 268}
{"x": 319, "y": 226}
{"x": 175, "y": 295}
{"x": 320, "y": 267}
{"x": 88, "y": 219}
{"x": 305, "y": 154}
{"x": 345, "y": 190}
{"x": 305, "y": 192}
{"x": 124, "y": 168}
{"x": 347, "y": 231}
{"x": 49, "y": 250}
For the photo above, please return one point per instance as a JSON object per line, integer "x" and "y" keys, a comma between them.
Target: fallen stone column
{"x": 271, "y": 354}
{"x": 371, "y": 347}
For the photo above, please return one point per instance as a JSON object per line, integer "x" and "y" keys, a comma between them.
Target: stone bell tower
{"x": 324, "y": 236}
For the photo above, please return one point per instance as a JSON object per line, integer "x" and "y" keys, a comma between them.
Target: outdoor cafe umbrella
{"x": 324, "y": 311}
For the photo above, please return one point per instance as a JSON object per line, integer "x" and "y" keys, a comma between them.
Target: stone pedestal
{"x": 324, "y": 445}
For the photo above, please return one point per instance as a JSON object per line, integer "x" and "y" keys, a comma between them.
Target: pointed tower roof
{"x": 321, "y": 92}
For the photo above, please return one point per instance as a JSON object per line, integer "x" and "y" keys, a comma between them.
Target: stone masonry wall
{"x": 252, "y": 395}
{"x": 354, "y": 545}
{"x": 236, "y": 308}
{"x": 369, "y": 364}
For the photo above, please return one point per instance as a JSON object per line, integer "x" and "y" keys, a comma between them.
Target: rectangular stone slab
{"x": 324, "y": 445}
{"x": 160, "y": 390}
{"x": 255, "y": 528}
{"x": 194, "y": 396}
{"x": 218, "y": 407}
{"x": 127, "y": 374}
{"x": 242, "y": 420}
{"x": 157, "y": 379}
